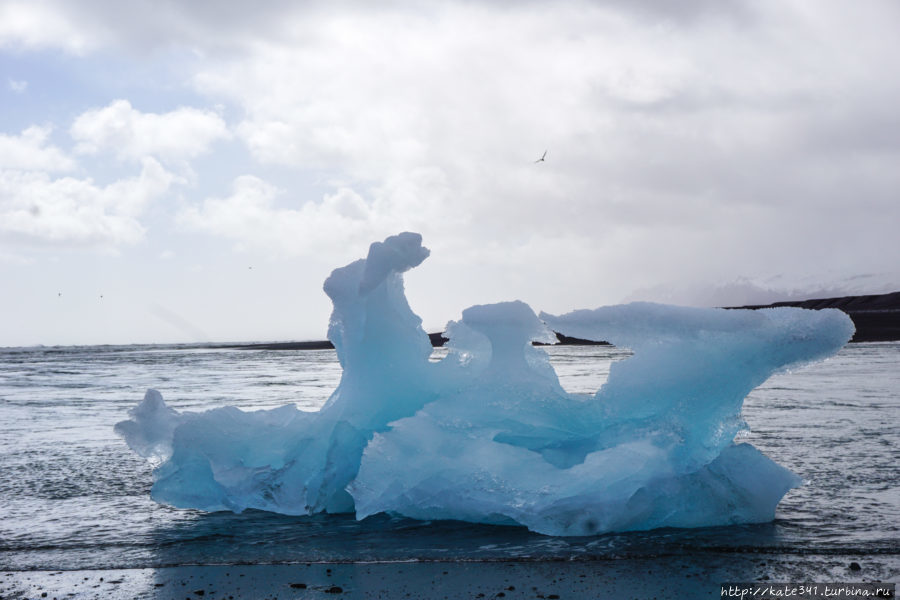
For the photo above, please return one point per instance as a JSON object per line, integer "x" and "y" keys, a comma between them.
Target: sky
{"x": 192, "y": 171}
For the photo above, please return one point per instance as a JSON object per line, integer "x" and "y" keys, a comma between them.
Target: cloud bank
{"x": 691, "y": 145}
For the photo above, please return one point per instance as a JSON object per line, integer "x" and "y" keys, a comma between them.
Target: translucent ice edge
{"x": 488, "y": 434}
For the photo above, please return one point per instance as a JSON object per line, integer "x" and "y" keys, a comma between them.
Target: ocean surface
{"x": 73, "y": 496}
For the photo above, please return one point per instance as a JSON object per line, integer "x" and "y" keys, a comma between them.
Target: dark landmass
{"x": 877, "y": 317}
{"x": 315, "y": 345}
{"x": 565, "y": 340}
{"x": 437, "y": 340}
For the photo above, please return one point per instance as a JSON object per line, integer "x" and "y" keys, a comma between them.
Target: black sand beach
{"x": 689, "y": 577}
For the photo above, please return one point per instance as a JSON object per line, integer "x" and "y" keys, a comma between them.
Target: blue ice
{"x": 487, "y": 434}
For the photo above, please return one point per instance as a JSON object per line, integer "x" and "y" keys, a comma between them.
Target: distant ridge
{"x": 437, "y": 340}
{"x": 876, "y": 316}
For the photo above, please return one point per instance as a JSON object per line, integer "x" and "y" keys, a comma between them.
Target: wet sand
{"x": 686, "y": 577}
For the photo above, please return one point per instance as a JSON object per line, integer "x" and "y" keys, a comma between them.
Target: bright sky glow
{"x": 174, "y": 171}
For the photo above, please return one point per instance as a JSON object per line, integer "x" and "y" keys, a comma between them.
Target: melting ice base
{"x": 488, "y": 434}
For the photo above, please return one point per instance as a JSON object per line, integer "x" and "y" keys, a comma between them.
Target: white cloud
{"x": 38, "y": 209}
{"x": 251, "y": 218}
{"x": 14, "y": 259}
{"x": 18, "y": 86}
{"x": 693, "y": 142}
{"x": 30, "y": 151}
{"x": 475, "y": 93}
{"x": 36, "y": 24}
{"x": 174, "y": 137}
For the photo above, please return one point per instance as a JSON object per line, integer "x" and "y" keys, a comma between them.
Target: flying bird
{"x": 541, "y": 159}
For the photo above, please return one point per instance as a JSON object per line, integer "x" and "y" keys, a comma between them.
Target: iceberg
{"x": 487, "y": 434}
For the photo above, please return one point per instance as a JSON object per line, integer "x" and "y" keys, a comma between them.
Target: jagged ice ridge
{"x": 487, "y": 434}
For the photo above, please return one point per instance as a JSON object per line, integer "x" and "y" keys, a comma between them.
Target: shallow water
{"x": 73, "y": 496}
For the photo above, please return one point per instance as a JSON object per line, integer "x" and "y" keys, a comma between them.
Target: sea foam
{"x": 488, "y": 434}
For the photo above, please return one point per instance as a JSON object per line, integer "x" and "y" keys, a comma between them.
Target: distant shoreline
{"x": 876, "y": 317}
{"x": 437, "y": 340}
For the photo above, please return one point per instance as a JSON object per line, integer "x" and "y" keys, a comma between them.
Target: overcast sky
{"x": 192, "y": 171}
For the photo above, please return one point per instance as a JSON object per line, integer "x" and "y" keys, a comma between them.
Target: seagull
{"x": 541, "y": 159}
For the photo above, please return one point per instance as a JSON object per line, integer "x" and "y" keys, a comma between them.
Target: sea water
{"x": 72, "y": 495}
